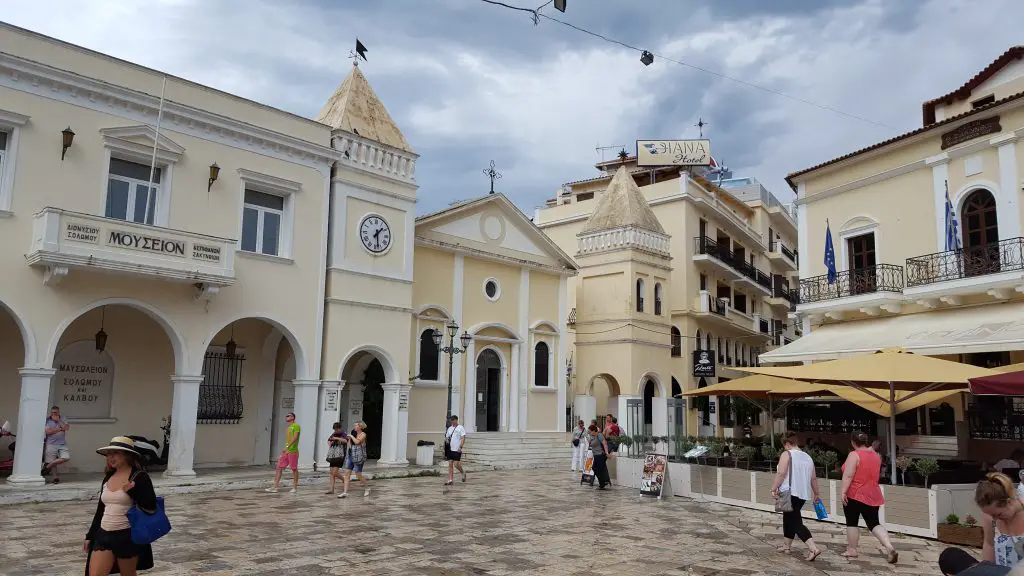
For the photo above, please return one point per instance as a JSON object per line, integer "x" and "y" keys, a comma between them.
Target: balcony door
{"x": 981, "y": 234}
{"x": 860, "y": 252}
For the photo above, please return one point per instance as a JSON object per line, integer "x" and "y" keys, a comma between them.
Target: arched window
{"x": 677, "y": 390}
{"x": 707, "y": 342}
{"x": 657, "y": 299}
{"x": 721, "y": 351}
{"x": 429, "y": 356}
{"x": 639, "y": 295}
{"x": 741, "y": 355}
{"x": 541, "y": 364}
{"x": 981, "y": 233}
{"x": 699, "y": 342}
{"x": 677, "y": 342}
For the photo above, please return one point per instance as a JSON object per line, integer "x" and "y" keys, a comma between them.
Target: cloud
{"x": 469, "y": 82}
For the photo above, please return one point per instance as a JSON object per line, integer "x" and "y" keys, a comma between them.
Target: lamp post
{"x": 451, "y": 350}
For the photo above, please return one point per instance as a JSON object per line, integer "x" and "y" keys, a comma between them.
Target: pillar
{"x": 330, "y": 412}
{"x": 511, "y": 414}
{"x": 585, "y": 408}
{"x": 562, "y": 376}
{"x": 468, "y": 416}
{"x": 624, "y": 416}
{"x": 307, "y": 396}
{"x": 402, "y": 451}
{"x": 522, "y": 360}
{"x": 390, "y": 426}
{"x": 659, "y": 416}
{"x": 184, "y": 410}
{"x": 32, "y": 414}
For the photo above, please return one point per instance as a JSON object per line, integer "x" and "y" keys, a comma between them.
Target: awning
{"x": 760, "y": 386}
{"x": 1006, "y": 384}
{"x": 882, "y": 407}
{"x": 989, "y": 328}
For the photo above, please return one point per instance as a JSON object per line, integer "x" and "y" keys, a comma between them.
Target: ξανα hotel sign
{"x": 673, "y": 152}
{"x": 116, "y": 237}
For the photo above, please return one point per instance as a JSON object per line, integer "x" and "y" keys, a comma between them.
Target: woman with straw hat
{"x": 108, "y": 544}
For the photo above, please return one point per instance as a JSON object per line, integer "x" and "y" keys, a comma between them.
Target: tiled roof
{"x": 964, "y": 92}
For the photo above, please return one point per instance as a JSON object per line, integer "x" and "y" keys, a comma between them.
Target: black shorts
{"x": 336, "y": 462}
{"x": 854, "y": 509}
{"x": 453, "y": 456}
{"x": 119, "y": 542}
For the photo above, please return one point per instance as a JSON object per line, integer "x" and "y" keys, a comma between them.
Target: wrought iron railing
{"x": 994, "y": 423}
{"x": 791, "y": 254}
{"x": 705, "y": 245}
{"x": 1003, "y": 256}
{"x": 220, "y": 394}
{"x": 868, "y": 280}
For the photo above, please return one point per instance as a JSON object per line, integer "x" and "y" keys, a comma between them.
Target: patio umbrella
{"x": 1005, "y": 384}
{"x": 891, "y": 369}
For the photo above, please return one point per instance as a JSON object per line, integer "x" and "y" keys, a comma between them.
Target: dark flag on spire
{"x": 360, "y": 49}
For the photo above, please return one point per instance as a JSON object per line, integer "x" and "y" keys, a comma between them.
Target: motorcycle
{"x": 7, "y": 465}
{"x": 152, "y": 456}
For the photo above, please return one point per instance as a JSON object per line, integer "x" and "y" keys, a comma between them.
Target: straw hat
{"x": 118, "y": 444}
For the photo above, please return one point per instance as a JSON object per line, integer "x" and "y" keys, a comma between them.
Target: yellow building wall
{"x": 476, "y": 307}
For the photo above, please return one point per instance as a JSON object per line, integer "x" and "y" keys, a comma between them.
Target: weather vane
{"x": 700, "y": 126}
{"x": 492, "y": 174}
{"x": 359, "y": 52}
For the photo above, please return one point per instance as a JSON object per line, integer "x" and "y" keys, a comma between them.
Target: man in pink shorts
{"x": 289, "y": 456}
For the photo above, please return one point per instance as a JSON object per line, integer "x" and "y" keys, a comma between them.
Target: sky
{"x": 469, "y": 82}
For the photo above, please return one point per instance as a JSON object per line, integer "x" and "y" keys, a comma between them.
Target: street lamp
{"x": 451, "y": 350}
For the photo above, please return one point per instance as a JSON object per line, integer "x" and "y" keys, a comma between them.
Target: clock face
{"x": 375, "y": 234}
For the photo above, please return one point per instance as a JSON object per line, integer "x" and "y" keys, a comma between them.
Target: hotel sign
{"x": 970, "y": 131}
{"x": 117, "y": 237}
{"x": 673, "y": 153}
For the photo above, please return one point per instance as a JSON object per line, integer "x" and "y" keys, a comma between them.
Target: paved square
{"x": 536, "y": 522}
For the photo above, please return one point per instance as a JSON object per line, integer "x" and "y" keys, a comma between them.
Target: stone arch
{"x": 499, "y": 325}
{"x": 182, "y": 364}
{"x": 967, "y": 189}
{"x": 659, "y": 386}
{"x": 28, "y": 337}
{"x": 859, "y": 221}
{"x": 613, "y": 384}
{"x": 363, "y": 356}
{"x": 422, "y": 310}
{"x": 545, "y": 325}
{"x": 302, "y": 369}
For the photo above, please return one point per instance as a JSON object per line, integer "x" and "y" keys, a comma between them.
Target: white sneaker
{"x": 343, "y": 495}
{"x": 271, "y": 490}
{"x": 293, "y": 491}
{"x": 366, "y": 493}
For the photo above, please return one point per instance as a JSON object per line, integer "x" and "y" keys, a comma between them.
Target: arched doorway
{"x": 12, "y": 357}
{"x": 605, "y": 390}
{"x": 373, "y": 407}
{"x": 981, "y": 233}
{"x": 649, "y": 393}
{"x": 365, "y": 372}
{"x": 488, "y": 390}
{"x": 677, "y": 390}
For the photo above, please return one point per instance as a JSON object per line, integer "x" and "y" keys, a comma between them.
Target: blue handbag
{"x": 148, "y": 528}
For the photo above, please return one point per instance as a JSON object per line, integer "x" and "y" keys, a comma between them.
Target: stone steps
{"x": 515, "y": 450}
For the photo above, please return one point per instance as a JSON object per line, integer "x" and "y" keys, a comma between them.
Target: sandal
{"x": 813, "y": 554}
{"x": 892, "y": 556}
{"x": 848, "y": 555}
{"x": 784, "y": 549}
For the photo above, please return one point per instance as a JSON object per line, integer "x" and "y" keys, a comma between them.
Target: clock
{"x": 375, "y": 234}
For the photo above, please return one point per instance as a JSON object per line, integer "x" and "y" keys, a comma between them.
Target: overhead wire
{"x": 536, "y": 14}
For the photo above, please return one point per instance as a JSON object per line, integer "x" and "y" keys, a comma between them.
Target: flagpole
{"x": 156, "y": 142}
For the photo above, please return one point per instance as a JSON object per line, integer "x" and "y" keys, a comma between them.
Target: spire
{"x": 354, "y": 107}
{"x": 622, "y": 206}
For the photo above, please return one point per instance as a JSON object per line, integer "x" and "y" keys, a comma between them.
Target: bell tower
{"x": 623, "y": 315}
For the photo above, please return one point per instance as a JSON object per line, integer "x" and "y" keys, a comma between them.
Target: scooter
{"x": 152, "y": 456}
{"x": 7, "y": 465}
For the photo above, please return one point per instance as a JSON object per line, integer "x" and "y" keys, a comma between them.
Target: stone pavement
{"x": 523, "y": 522}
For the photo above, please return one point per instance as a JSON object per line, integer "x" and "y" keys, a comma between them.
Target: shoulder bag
{"x": 785, "y": 501}
{"x": 147, "y": 528}
{"x": 358, "y": 453}
{"x": 336, "y": 451}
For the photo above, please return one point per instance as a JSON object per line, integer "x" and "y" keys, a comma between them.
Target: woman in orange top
{"x": 862, "y": 496}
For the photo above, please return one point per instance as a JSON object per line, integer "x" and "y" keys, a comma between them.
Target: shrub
{"x": 770, "y": 453}
{"x": 829, "y": 459}
{"x": 952, "y": 519}
{"x": 970, "y": 521}
{"x": 926, "y": 467}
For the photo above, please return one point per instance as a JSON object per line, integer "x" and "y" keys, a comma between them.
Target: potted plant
{"x": 829, "y": 459}
{"x": 771, "y": 454}
{"x": 903, "y": 463}
{"x": 746, "y": 453}
{"x": 926, "y": 467}
{"x": 424, "y": 453}
{"x": 966, "y": 534}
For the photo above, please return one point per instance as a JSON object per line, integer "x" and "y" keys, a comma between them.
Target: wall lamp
{"x": 214, "y": 173}
{"x": 68, "y": 137}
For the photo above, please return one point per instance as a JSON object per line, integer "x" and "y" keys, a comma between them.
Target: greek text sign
{"x": 117, "y": 237}
{"x": 403, "y": 401}
{"x": 673, "y": 152}
{"x": 331, "y": 401}
{"x": 84, "y": 383}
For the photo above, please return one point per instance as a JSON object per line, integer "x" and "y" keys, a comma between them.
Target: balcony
{"x": 717, "y": 256}
{"x": 782, "y": 296}
{"x": 995, "y": 269}
{"x": 780, "y": 254}
{"x": 720, "y": 312}
{"x": 870, "y": 290}
{"x": 63, "y": 241}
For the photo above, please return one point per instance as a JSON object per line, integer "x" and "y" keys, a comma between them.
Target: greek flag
{"x": 830, "y": 255}
{"x": 952, "y": 226}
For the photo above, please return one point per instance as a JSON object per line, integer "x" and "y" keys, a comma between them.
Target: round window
{"x": 491, "y": 289}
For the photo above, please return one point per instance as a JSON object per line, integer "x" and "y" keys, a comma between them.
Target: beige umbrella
{"x": 890, "y": 369}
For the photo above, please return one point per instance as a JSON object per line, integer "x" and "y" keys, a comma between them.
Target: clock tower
{"x": 369, "y": 271}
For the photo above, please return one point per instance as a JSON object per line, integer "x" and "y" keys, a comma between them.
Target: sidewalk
{"x": 87, "y": 486}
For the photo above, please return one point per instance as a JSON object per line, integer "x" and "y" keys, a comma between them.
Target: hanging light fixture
{"x": 231, "y": 347}
{"x": 214, "y": 174}
{"x": 101, "y": 336}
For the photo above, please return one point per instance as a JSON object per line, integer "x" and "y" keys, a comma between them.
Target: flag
{"x": 360, "y": 49}
{"x": 830, "y": 255}
{"x": 952, "y": 226}
{"x": 713, "y": 165}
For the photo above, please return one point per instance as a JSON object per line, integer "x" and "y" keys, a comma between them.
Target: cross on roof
{"x": 492, "y": 174}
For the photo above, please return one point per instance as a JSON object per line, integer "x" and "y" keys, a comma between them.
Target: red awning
{"x": 1009, "y": 384}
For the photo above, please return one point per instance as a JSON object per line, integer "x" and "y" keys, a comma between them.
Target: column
{"x": 585, "y": 408}
{"x": 307, "y": 396}
{"x": 1009, "y": 205}
{"x": 659, "y": 416}
{"x": 330, "y": 412}
{"x": 389, "y": 425}
{"x": 458, "y": 284}
{"x": 511, "y": 414}
{"x": 32, "y": 413}
{"x": 524, "y": 354}
{"x": 468, "y": 416}
{"x": 623, "y": 416}
{"x": 184, "y": 409}
{"x": 561, "y": 366}
{"x": 402, "y": 451}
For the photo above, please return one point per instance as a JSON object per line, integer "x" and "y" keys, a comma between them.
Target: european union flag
{"x": 830, "y": 255}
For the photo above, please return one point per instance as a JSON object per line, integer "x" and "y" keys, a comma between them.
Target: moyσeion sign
{"x": 84, "y": 383}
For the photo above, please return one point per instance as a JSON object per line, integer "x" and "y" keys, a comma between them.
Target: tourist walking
{"x": 579, "y": 446}
{"x": 355, "y": 459}
{"x": 337, "y": 445}
{"x": 55, "y": 447}
{"x": 599, "y": 448}
{"x": 795, "y": 485}
{"x": 862, "y": 497}
{"x": 1002, "y": 520}
{"x": 108, "y": 544}
{"x": 454, "y": 439}
{"x": 289, "y": 456}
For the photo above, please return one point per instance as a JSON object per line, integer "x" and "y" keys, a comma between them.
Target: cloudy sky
{"x": 469, "y": 82}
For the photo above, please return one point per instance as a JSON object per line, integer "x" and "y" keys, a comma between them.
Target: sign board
{"x": 403, "y": 401}
{"x": 696, "y": 452}
{"x": 704, "y": 363}
{"x": 711, "y": 407}
{"x": 288, "y": 403}
{"x": 970, "y": 131}
{"x": 355, "y": 407}
{"x": 331, "y": 400}
{"x": 84, "y": 383}
{"x": 588, "y": 469}
{"x": 652, "y": 479}
{"x": 110, "y": 235}
{"x": 673, "y": 153}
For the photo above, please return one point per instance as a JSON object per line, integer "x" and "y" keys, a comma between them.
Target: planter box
{"x": 960, "y": 535}
{"x": 424, "y": 455}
